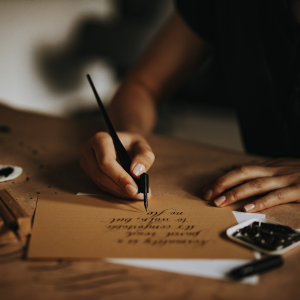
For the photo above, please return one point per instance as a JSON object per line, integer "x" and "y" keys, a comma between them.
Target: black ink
{"x": 163, "y": 242}
{"x": 156, "y": 214}
{"x": 125, "y": 220}
{"x": 133, "y": 242}
{"x": 183, "y": 233}
{"x": 150, "y": 220}
{"x": 177, "y": 213}
{"x": 27, "y": 179}
{"x": 186, "y": 227}
{"x": 181, "y": 220}
{"x": 6, "y": 171}
{"x": 138, "y": 233}
{"x": 137, "y": 227}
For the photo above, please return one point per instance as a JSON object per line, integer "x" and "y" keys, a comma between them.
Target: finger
{"x": 280, "y": 196}
{"x": 236, "y": 177}
{"x": 106, "y": 160}
{"x": 121, "y": 194}
{"x": 90, "y": 165}
{"x": 251, "y": 163}
{"x": 251, "y": 188}
{"x": 143, "y": 158}
{"x": 254, "y": 162}
{"x": 105, "y": 183}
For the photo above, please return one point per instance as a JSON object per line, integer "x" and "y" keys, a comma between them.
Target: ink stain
{"x": 34, "y": 152}
{"x": 6, "y": 171}
{"x": 27, "y": 179}
{"x": 38, "y": 193}
{"x": 4, "y": 129}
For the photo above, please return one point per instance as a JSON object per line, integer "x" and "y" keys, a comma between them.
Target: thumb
{"x": 143, "y": 158}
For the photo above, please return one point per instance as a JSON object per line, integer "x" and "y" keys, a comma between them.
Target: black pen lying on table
{"x": 143, "y": 181}
{"x": 256, "y": 267}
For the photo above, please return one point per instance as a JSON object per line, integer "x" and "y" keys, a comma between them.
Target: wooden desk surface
{"x": 47, "y": 150}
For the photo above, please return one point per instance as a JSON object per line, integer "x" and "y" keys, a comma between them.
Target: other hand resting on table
{"x": 275, "y": 181}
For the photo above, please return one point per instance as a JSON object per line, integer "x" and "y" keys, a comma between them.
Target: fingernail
{"x": 208, "y": 195}
{"x": 138, "y": 170}
{"x": 220, "y": 200}
{"x": 131, "y": 190}
{"x": 249, "y": 207}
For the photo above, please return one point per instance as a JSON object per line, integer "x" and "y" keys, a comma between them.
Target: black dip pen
{"x": 143, "y": 182}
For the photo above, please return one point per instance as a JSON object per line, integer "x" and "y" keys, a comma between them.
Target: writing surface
{"x": 68, "y": 226}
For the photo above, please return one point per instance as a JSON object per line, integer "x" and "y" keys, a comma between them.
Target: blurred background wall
{"x": 48, "y": 46}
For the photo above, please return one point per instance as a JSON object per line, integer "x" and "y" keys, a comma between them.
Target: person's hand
{"x": 276, "y": 182}
{"x": 99, "y": 161}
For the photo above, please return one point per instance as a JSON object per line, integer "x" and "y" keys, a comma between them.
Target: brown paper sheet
{"x": 75, "y": 227}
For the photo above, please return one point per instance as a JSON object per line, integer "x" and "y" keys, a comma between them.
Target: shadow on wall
{"x": 119, "y": 42}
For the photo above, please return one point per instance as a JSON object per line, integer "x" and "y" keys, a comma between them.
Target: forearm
{"x": 173, "y": 54}
{"x": 133, "y": 108}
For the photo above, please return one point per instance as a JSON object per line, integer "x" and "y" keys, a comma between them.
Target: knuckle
{"x": 233, "y": 195}
{"x": 244, "y": 170}
{"x": 289, "y": 178}
{"x": 279, "y": 194}
{"x": 104, "y": 163}
{"x": 121, "y": 180}
{"x": 262, "y": 204}
{"x": 257, "y": 184}
{"x": 219, "y": 184}
{"x": 100, "y": 136}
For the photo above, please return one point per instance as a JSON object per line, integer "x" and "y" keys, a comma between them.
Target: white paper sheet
{"x": 242, "y": 217}
{"x": 211, "y": 268}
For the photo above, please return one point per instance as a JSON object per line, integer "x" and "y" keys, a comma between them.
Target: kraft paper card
{"x": 75, "y": 227}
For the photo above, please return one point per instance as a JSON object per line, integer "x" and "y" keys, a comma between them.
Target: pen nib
{"x": 145, "y": 201}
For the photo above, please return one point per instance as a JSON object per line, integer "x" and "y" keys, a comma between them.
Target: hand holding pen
{"x": 99, "y": 161}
